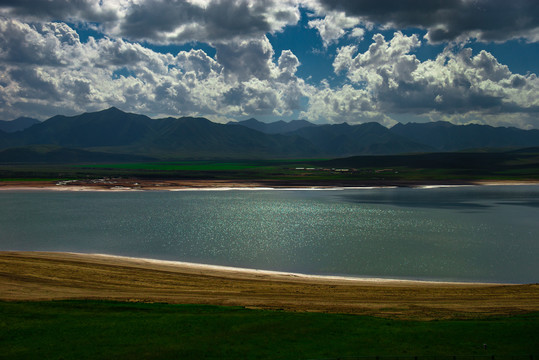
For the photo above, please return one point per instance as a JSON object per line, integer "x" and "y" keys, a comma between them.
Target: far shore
{"x": 37, "y": 276}
{"x": 119, "y": 184}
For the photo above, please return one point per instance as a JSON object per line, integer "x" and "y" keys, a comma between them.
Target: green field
{"x": 195, "y": 165}
{"x": 494, "y": 165}
{"x": 115, "y": 330}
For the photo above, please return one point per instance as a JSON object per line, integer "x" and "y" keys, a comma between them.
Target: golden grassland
{"x": 37, "y": 276}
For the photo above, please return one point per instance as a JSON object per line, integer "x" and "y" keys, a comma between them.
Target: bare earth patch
{"x": 54, "y": 276}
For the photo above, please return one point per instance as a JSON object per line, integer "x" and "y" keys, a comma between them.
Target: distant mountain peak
{"x": 25, "y": 118}
{"x": 301, "y": 121}
{"x": 19, "y": 124}
{"x": 251, "y": 121}
{"x": 342, "y": 125}
{"x": 276, "y": 127}
{"x": 112, "y": 109}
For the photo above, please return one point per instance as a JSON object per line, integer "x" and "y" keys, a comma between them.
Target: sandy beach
{"x": 119, "y": 184}
{"x": 54, "y": 276}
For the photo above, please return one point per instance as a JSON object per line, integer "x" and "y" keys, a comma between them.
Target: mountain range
{"x": 126, "y": 136}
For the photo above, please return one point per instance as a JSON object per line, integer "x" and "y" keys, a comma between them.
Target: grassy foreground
{"x": 120, "y": 330}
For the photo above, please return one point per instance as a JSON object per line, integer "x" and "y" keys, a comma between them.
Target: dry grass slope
{"x": 54, "y": 276}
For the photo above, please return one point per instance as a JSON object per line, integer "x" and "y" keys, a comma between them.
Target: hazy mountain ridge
{"x": 277, "y": 127}
{"x": 369, "y": 138}
{"x": 199, "y": 135}
{"x": 18, "y": 124}
{"x": 138, "y": 136}
{"x": 443, "y": 136}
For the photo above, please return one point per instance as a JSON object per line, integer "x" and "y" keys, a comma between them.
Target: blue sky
{"x": 463, "y": 61}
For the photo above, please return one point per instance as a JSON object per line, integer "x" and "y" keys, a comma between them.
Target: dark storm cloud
{"x": 185, "y": 21}
{"x": 448, "y": 20}
{"x": 40, "y": 44}
{"x": 150, "y": 18}
{"x": 162, "y": 21}
{"x": 87, "y": 10}
{"x": 246, "y": 59}
{"x": 33, "y": 85}
{"x": 225, "y": 19}
{"x": 182, "y": 21}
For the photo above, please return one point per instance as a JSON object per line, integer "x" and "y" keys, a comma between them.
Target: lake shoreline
{"x": 261, "y": 273}
{"x": 117, "y": 184}
{"x": 38, "y": 276}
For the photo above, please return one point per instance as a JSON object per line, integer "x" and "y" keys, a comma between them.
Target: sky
{"x": 326, "y": 61}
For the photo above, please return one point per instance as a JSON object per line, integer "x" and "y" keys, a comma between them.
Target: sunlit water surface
{"x": 486, "y": 233}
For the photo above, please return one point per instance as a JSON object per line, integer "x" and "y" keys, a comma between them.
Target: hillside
{"x": 55, "y": 154}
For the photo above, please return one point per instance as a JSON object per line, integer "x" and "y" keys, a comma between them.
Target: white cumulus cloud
{"x": 64, "y": 75}
{"x": 456, "y": 82}
{"x": 334, "y": 25}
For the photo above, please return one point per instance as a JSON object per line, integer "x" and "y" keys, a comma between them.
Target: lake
{"x": 477, "y": 233}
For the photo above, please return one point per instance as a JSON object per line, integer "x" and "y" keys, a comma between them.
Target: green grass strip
{"x": 191, "y": 166}
{"x": 115, "y": 330}
{"x": 28, "y": 179}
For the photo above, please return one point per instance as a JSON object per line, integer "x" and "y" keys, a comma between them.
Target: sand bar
{"x": 120, "y": 184}
{"x": 55, "y": 276}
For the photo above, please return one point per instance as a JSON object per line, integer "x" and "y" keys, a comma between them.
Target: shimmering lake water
{"x": 486, "y": 233}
